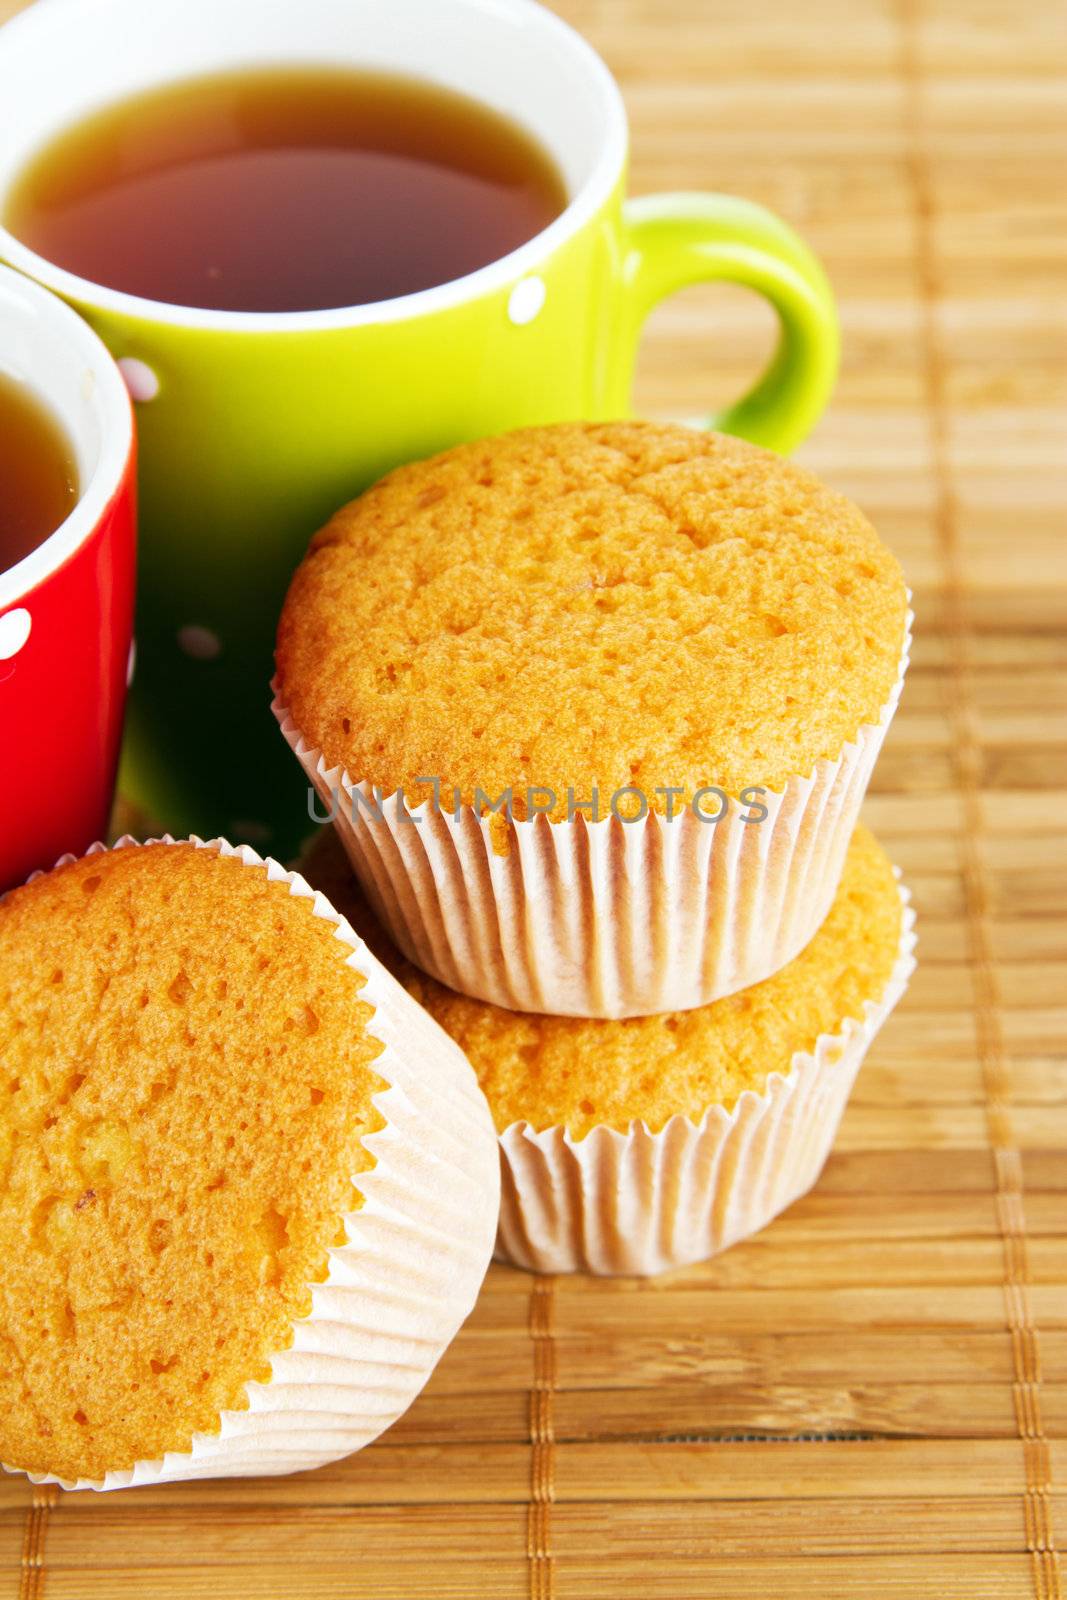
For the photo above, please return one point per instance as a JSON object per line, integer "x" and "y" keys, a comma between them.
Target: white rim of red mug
{"x": 608, "y": 166}
{"x": 100, "y": 397}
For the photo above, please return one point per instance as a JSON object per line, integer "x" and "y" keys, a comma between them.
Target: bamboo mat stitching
{"x": 1007, "y": 1161}
{"x": 31, "y": 1582}
{"x": 542, "y": 1565}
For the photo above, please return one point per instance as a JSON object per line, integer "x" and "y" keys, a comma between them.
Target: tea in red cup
{"x": 67, "y": 560}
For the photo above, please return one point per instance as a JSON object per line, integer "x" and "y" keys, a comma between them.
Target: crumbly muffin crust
{"x": 591, "y": 606}
{"x": 579, "y": 1073}
{"x": 185, "y": 1087}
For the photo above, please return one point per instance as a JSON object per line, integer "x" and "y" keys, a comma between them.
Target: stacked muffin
{"x": 594, "y": 708}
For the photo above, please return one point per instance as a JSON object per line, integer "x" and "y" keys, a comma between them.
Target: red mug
{"x": 66, "y": 610}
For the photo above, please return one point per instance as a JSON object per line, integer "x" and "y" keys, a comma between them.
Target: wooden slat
{"x": 780, "y": 1527}
{"x": 698, "y": 1470}
{"x": 485, "y": 1363}
{"x": 894, "y": 1172}
{"x": 890, "y": 1577}
{"x": 11, "y": 1539}
{"x": 228, "y": 1539}
{"x": 677, "y": 1304}
{"x": 113, "y": 1539}
{"x": 933, "y": 1410}
{"x": 384, "y": 1578}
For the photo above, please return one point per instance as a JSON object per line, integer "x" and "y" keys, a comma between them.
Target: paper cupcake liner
{"x": 642, "y": 1202}
{"x": 395, "y": 1295}
{"x": 606, "y": 918}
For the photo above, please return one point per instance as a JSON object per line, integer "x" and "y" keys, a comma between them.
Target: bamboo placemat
{"x": 870, "y": 1400}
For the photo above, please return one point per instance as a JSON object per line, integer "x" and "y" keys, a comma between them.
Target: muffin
{"x": 668, "y": 658}
{"x": 248, "y": 1189}
{"x": 636, "y": 1145}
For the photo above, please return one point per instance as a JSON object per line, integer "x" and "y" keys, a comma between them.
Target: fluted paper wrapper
{"x": 607, "y": 918}
{"x": 395, "y": 1295}
{"x": 642, "y": 1202}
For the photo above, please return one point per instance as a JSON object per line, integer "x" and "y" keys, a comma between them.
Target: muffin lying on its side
{"x": 647, "y": 1143}
{"x": 672, "y": 627}
{"x": 214, "y": 1102}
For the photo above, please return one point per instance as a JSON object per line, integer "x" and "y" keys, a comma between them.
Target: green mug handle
{"x": 674, "y": 240}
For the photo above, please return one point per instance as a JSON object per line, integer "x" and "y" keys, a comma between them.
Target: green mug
{"x": 254, "y": 427}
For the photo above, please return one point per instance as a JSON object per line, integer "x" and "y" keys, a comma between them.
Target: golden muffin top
{"x": 591, "y": 606}
{"x": 579, "y": 1072}
{"x": 185, "y": 1083}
